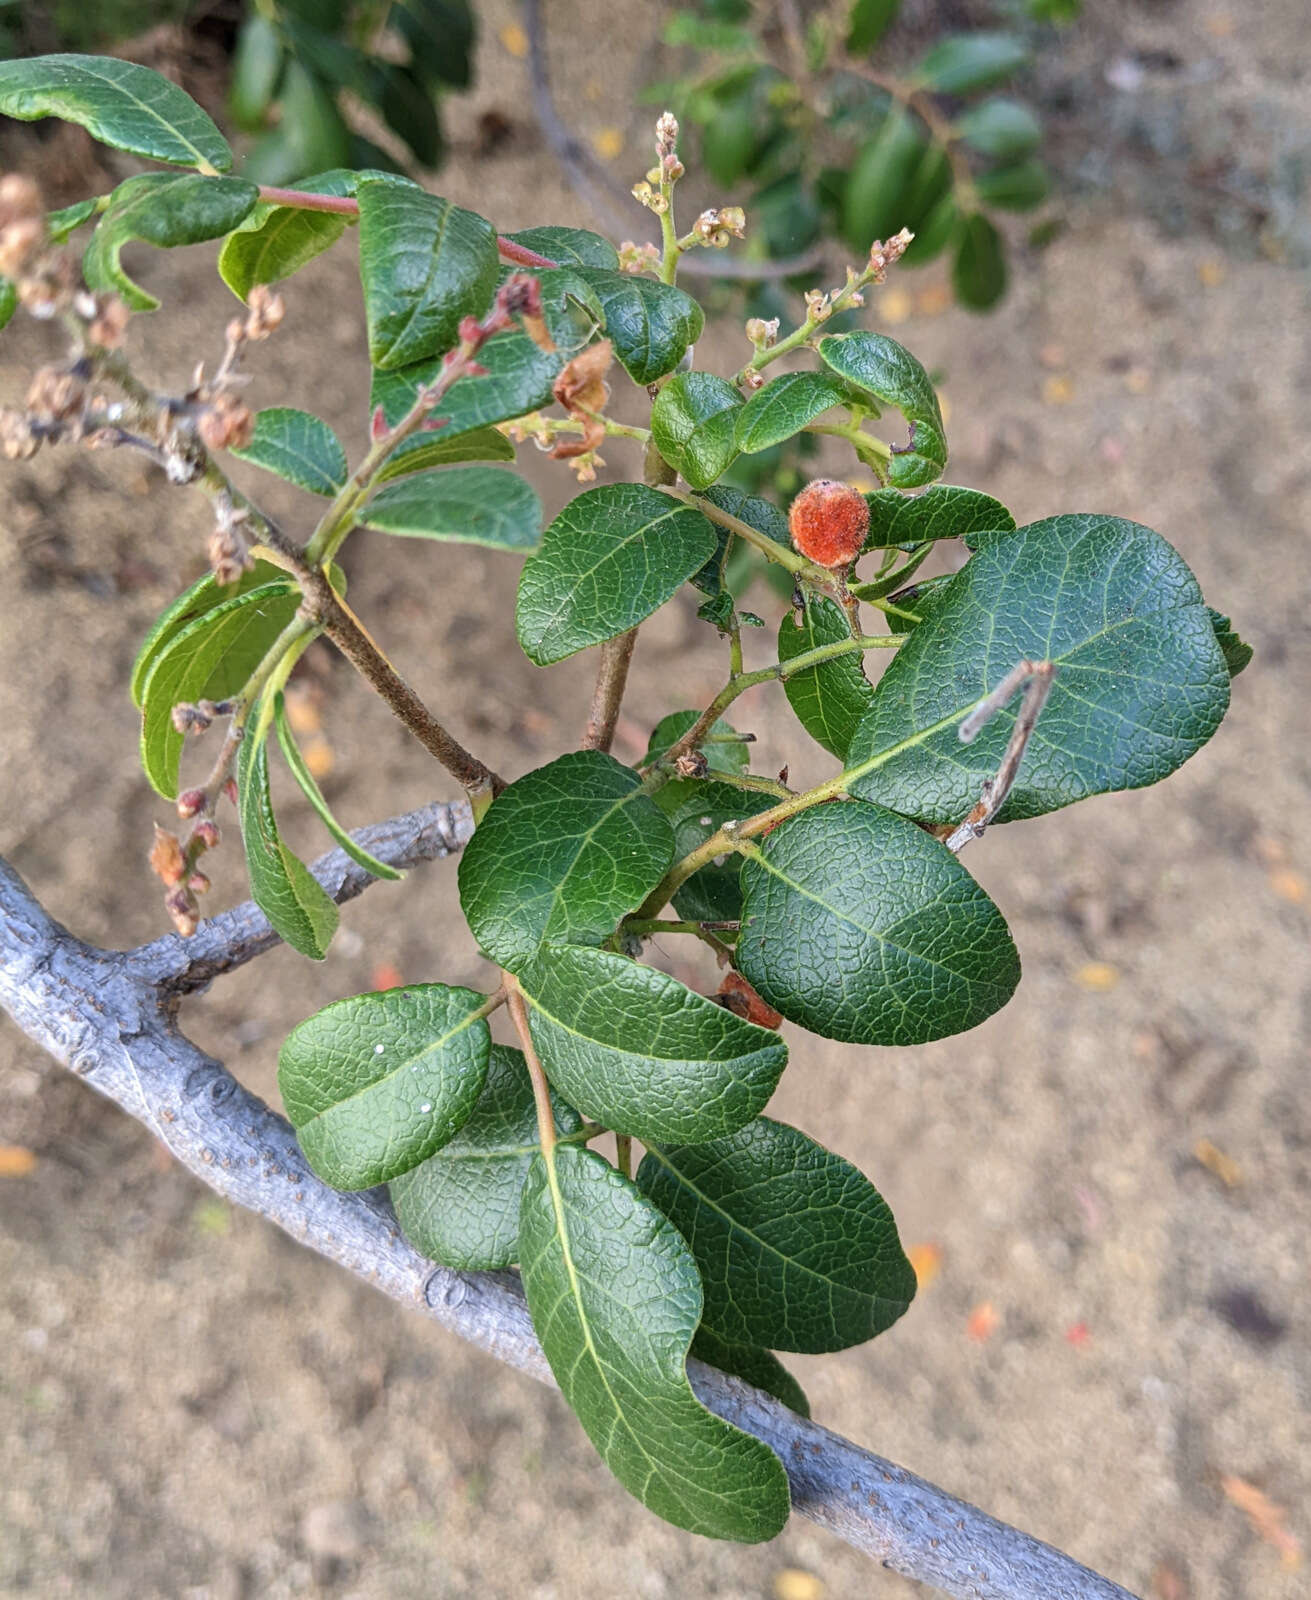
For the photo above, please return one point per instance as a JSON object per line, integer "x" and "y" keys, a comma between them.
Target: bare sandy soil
{"x": 192, "y": 1406}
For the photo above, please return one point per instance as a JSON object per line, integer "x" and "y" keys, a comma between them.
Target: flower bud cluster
{"x": 886, "y": 253}
{"x": 717, "y": 228}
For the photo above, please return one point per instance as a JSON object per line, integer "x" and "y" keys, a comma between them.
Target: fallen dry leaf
{"x": 982, "y": 1322}
{"x": 16, "y": 1161}
{"x": 794, "y": 1584}
{"x": 1266, "y": 1518}
{"x": 1212, "y": 272}
{"x": 894, "y": 307}
{"x": 932, "y": 300}
{"x": 1057, "y": 391}
{"x": 1288, "y": 885}
{"x": 608, "y": 143}
{"x": 386, "y": 976}
{"x": 1098, "y": 977}
{"x": 1078, "y": 1335}
{"x": 1168, "y": 1584}
{"x": 514, "y": 40}
{"x": 926, "y": 1259}
{"x": 1218, "y": 1163}
{"x": 320, "y": 757}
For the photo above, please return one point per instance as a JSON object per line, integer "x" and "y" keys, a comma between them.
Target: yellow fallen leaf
{"x": 608, "y": 143}
{"x": 1212, "y": 272}
{"x": 1057, "y": 390}
{"x": 1098, "y": 977}
{"x": 894, "y": 307}
{"x": 926, "y": 1259}
{"x": 16, "y": 1161}
{"x": 320, "y": 757}
{"x": 1218, "y": 1163}
{"x": 982, "y": 1322}
{"x": 514, "y": 39}
{"x": 794, "y": 1584}
{"x": 1289, "y": 885}
{"x": 1266, "y": 1518}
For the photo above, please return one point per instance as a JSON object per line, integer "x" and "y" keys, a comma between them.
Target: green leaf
{"x": 274, "y": 242}
{"x": 859, "y": 926}
{"x": 461, "y": 1206}
{"x": 978, "y": 273}
{"x": 725, "y": 749}
{"x": 424, "y": 264}
{"x": 944, "y": 511}
{"x": 1140, "y": 685}
{"x": 882, "y": 367}
{"x": 569, "y": 247}
{"x": 209, "y": 658}
{"x": 117, "y": 102}
{"x": 299, "y": 909}
{"x": 1236, "y": 653}
{"x": 614, "y": 1296}
{"x": 969, "y": 61}
{"x": 310, "y": 788}
{"x": 1003, "y": 130}
{"x": 939, "y": 227}
{"x": 256, "y": 68}
{"x": 311, "y": 135}
{"x": 783, "y": 407}
{"x": 637, "y": 1050}
{"x": 8, "y": 301}
{"x": 831, "y": 698}
{"x": 698, "y": 808}
{"x": 613, "y": 556}
{"x": 753, "y": 1366}
{"x": 377, "y": 1083}
{"x": 163, "y": 209}
{"x": 796, "y": 1248}
{"x": 65, "y": 222}
{"x": 650, "y": 324}
{"x": 867, "y": 22}
{"x": 299, "y": 447}
{"x": 762, "y": 515}
{"x": 875, "y": 205}
{"x": 464, "y": 505}
{"x": 692, "y": 422}
{"x": 562, "y": 854}
{"x": 440, "y": 450}
{"x": 1019, "y": 187}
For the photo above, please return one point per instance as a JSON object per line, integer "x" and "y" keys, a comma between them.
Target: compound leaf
{"x": 830, "y": 698}
{"x": 783, "y": 407}
{"x": 859, "y": 926}
{"x": 466, "y": 505}
{"x": 883, "y": 368}
{"x": 376, "y": 1083}
{"x": 299, "y": 447}
{"x": 692, "y": 422}
{"x": 615, "y": 1299}
{"x": 797, "y": 1249}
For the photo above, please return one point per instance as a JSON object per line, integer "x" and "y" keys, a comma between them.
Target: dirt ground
{"x": 192, "y": 1406}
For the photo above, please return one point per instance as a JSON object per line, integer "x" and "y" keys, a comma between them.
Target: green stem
{"x": 889, "y": 582}
{"x": 624, "y": 1153}
{"x": 541, "y": 1089}
{"x": 864, "y": 444}
{"x": 819, "y": 576}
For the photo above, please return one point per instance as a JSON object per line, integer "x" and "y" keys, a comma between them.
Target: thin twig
{"x": 1036, "y": 679}
{"x": 608, "y": 695}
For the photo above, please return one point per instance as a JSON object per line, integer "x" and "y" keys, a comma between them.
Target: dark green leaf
{"x": 424, "y": 264}
{"x": 569, "y": 247}
{"x": 311, "y": 135}
{"x": 859, "y": 926}
{"x": 466, "y": 505}
{"x": 635, "y": 1049}
{"x": 209, "y": 658}
{"x": 875, "y": 204}
{"x": 613, "y": 556}
{"x": 797, "y": 1249}
{"x": 831, "y": 698}
{"x": 8, "y": 301}
{"x": 440, "y": 34}
{"x": 698, "y": 808}
{"x": 310, "y": 788}
{"x": 867, "y": 22}
{"x": 882, "y": 367}
{"x": 275, "y": 241}
{"x": 1236, "y": 653}
{"x": 1003, "y": 130}
{"x": 118, "y": 102}
{"x": 440, "y": 450}
{"x": 299, "y": 447}
{"x": 282, "y": 886}
{"x": 562, "y": 854}
{"x": 930, "y": 181}
{"x": 1015, "y": 188}
{"x": 978, "y": 272}
{"x": 409, "y": 110}
{"x": 725, "y": 749}
{"x": 62, "y": 224}
{"x": 164, "y": 209}
{"x": 650, "y": 324}
{"x": 753, "y": 1366}
{"x": 615, "y": 1299}
{"x": 377, "y": 1083}
{"x": 783, "y": 407}
{"x": 969, "y": 61}
{"x": 944, "y": 511}
{"x": 1140, "y": 682}
{"x": 692, "y": 422}
{"x": 935, "y": 232}
{"x": 256, "y": 68}
{"x": 461, "y": 1206}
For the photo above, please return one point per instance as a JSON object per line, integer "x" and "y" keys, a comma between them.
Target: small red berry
{"x": 829, "y": 522}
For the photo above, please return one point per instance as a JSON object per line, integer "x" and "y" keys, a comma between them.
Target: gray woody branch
{"x": 110, "y": 1017}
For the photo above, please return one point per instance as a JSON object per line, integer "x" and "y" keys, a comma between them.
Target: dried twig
{"x": 1035, "y": 677}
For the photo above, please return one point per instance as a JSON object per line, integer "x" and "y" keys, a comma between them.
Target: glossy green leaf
{"x": 1141, "y": 682}
{"x": 424, "y": 264}
{"x": 1019, "y": 187}
{"x": 635, "y": 1049}
{"x": 65, "y": 222}
{"x": 783, "y": 407}
{"x": 874, "y": 205}
{"x": 969, "y": 61}
{"x": 562, "y": 854}
{"x": 274, "y": 242}
{"x": 796, "y": 1248}
{"x": 465, "y": 505}
{"x": 163, "y": 209}
{"x": 978, "y": 272}
{"x": 299, "y": 447}
{"x": 299, "y": 909}
{"x": 299, "y": 770}
{"x": 118, "y": 102}
{"x": 209, "y": 658}
{"x": 311, "y": 134}
{"x": 461, "y": 1206}
{"x": 441, "y": 36}
{"x": 1237, "y": 654}
{"x": 867, "y": 22}
{"x": 613, "y": 556}
{"x": 724, "y": 748}
{"x": 697, "y": 808}
{"x": 859, "y": 926}
{"x": 1003, "y": 130}
{"x": 760, "y": 514}
{"x": 256, "y": 68}
{"x": 943, "y": 511}
{"x": 754, "y": 1366}
{"x": 376, "y": 1083}
{"x": 440, "y": 450}
{"x": 650, "y": 324}
{"x": 890, "y": 373}
{"x": 831, "y": 698}
{"x": 615, "y": 1299}
{"x": 569, "y": 247}
{"x": 692, "y": 422}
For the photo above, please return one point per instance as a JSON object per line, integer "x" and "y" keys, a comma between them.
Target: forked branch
{"x": 110, "y": 1017}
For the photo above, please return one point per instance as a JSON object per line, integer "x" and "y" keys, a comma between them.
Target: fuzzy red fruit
{"x": 829, "y": 522}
